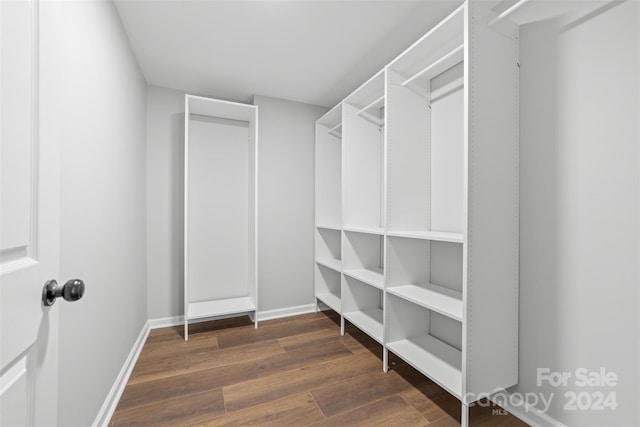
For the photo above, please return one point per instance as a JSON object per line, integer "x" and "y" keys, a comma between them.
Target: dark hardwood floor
{"x": 295, "y": 371}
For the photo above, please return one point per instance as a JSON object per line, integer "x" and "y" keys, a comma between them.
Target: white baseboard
{"x": 528, "y": 413}
{"x": 166, "y": 322}
{"x": 113, "y": 397}
{"x": 111, "y": 402}
{"x": 286, "y": 312}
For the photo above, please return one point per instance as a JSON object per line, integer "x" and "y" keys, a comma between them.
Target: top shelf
{"x": 528, "y": 11}
{"x": 221, "y": 109}
{"x": 436, "y": 51}
{"x": 368, "y": 96}
{"x": 439, "y": 236}
{"x": 442, "y": 64}
{"x": 332, "y": 118}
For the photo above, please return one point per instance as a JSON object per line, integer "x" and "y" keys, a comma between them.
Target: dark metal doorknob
{"x": 71, "y": 291}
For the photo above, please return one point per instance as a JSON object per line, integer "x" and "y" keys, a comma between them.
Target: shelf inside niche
{"x": 434, "y": 358}
{"x": 364, "y": 229}
{"x": 335, "y": 227}
{"x": 330, "y": 299}
{"x": 368, "y": 320}
{"x": 222, "y": 307}
{"x": 436, "y": 51}
{"x": 332, "y": 118}
{"x": 423, "y": 76}
{"x": 445, "y": 301}
{"x": 370, "y": 276}
{"x": 332, "y": 263}
{"x": 439, "y": 236}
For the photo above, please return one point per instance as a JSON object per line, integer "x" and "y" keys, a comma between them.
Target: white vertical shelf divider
{"x": 363, "y": 208}
{"x": 328, "y": 214}
{"x": 430, "y": 204}
{"x": 220, "y": 209}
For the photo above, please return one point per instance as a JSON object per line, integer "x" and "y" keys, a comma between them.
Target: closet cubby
{"x": 425, "y": 141}
{"x": 329, "y": 248}
{"x": 364, "y": 258}
{"x": 427, "y": 273}
{"x": 428, "y": 341}
{"x": 220, "y": 209}
{"x": 363, "y": 151}
{"x": 362, "y": 306}
{"x": 328, "y": 286}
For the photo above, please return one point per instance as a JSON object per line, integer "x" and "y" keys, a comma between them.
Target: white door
{"x": 28, "y": 220}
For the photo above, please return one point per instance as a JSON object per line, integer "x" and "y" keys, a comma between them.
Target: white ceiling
{"x": 312, "y": 51}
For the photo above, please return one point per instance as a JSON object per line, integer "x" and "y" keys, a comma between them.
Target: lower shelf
{"x": 371, "y": 276}
{"x": 435, "y": 359}
{"x": 333, "y": 301}
{"x": 447, "y": 302}
{"x": 199, "y": 310}
{"x": 332, "y": 263}
{"x": 368, "y": 321}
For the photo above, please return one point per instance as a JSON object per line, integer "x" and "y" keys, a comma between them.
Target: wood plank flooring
{"x": 295, "y": 371}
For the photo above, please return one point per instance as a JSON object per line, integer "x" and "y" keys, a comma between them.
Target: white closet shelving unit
{"x": 429, "y": 248}
{"x": 220, "y": 209}
{"x": 328, "y": 233}
{"x": 363, "y": 207}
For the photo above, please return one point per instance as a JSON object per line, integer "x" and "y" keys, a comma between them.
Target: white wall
{"x": 579, "y": 207}
{"x": 286, "y": 163}
{"x": 286, "y": 135}
{"x": 103, "y": 204}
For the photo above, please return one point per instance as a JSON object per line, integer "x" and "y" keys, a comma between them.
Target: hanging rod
{"x": 442, "y": 60}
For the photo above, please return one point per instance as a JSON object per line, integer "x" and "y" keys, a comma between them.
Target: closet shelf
{"x": 445, "y": 301}
{"x": 444, "y": 361}
{"x": 329, "y": 227}
{"x": 332, "y": 263}
{"x": 332, "y": 117}
{"x": 360, "y": 229}
{"x": 221, "y": 307}
{"x": 332, "y": 300}
{"x": 507, "y": 13}
{"x": 448, "y": 34}
{"x": 439, "y": 236}
{"x": 442, "y": 64}
{"x": 375, "y": 104}
{"x": 368, "y": 320}
{"x": 336, "y": 130}
{"x": 370, "y": 276}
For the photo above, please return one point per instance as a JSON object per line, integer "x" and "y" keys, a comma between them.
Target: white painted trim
{"x": 286, "y": 312}
{"x": 166, "y": 322}
{"x": 113, "y": 397}
{"x": 527, "y": 413}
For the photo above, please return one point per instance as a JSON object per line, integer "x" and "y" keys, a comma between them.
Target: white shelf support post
{"x": 464, "y": 416}
{"x": 385, "y": 359}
